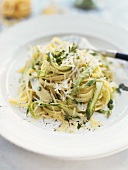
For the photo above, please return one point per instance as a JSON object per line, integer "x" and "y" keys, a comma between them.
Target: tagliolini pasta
{"x": 63, "y": 82}
{"x": 16, "y": 8}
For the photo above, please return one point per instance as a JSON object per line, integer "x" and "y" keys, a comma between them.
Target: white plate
{"x": 33, "y": 135}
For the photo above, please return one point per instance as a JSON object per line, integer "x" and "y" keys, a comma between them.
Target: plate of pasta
{"x": 58, "y": 96}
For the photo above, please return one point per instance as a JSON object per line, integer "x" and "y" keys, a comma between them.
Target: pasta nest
{"x": 16, "y": 8}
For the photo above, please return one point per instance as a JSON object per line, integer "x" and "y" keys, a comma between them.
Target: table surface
{"x": 15, "y": 158}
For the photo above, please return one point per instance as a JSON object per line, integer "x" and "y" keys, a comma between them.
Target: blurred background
{"x": 13, "y": 11}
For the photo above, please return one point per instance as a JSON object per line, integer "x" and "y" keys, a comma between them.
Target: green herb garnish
{"x": 118, "y": 90}
{"x": 78, "y": 126}
{"x": 102, "y": 111}
{"x": 94, "y": 53}
{"x": 110, "y": 107}
{"x": 48, "y": 58}
{"x": 110, "y": 104}
{"x": 76, "y": 101}
{"x": 27, "y": 111}
{"x": 73, "y": 48}
{"x": 76, "y": 117}
{"x": 123, "y": 87}
{"x": 33, "y": 66}
{"x": 110, "y": 62}
{"x": 107, "y": 112}
{"x": 39, "y": 88}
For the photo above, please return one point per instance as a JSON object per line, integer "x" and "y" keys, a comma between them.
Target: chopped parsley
{"x": 76, "y": 101}
{"x": 67, "y": 117}
{"x": 48, "y": 58}
{"x": 110, "y": 62}
{"x": 78, "y": 126}
{"x": 102, "y": 111}
{"x": 33, "y": 66}
{"x": 94, "y": 53}
{"x": 110, "y": 104}
{"x": 76, "y": 117}
{"x": 107, "y": 112}
{"x": 27, "y": 111}
{"x": 39, "y": 88}
{"x": 121, "y": 87}
{"x": 118, "y": 90}
{"x": 73, "y": 48}
{"x": 110, "y": 107}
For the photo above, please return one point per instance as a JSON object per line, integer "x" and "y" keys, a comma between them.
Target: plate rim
{"x": 12, "y": 141}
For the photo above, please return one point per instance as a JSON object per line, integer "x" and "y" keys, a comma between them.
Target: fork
{"x": 84, "y": 44}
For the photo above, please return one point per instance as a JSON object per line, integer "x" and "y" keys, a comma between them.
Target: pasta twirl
{"x": 62, "y": 82}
